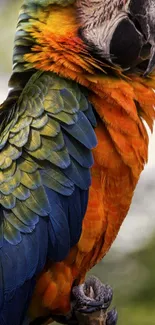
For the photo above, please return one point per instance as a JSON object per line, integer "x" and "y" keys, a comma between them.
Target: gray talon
{"x": 93, "y": 295}
{"x": 89, "y": 305}
{"x": 112, "y": 317}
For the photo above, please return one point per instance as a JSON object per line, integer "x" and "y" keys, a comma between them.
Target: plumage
{"x": 72, "y": 147}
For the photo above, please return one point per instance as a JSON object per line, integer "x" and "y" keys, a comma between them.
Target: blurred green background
{"x": 130, "y": 265}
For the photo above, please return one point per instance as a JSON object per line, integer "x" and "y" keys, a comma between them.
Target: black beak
{"x": 151, "y": 63}
{"x": 133, "y": 41}
{"x": 143, "y": 16}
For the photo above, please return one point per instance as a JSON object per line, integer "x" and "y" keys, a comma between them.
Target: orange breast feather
{"x": 121, "y": 103}
{"x": 119, "y": 159}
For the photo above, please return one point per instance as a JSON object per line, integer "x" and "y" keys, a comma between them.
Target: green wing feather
{"x": 39, "y": 145}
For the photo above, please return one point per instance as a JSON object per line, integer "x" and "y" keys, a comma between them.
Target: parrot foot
{"x": 90, "y": 303}
{"x": 92, "y": 296}
{"x": 112, "y": 317}
{"x": 92, "y": 299}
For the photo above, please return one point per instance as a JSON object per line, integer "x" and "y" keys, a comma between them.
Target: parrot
{"x": 73, "y": 143}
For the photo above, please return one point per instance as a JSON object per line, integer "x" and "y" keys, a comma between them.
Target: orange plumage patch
{"x": 62, "y": 51}
{"x": 122, "y": 102}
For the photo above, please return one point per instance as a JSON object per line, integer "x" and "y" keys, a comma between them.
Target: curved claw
{"x": 90, "y": 304}
{"x": 93, "y": 295}
{"x": 112, "y": 317}
{"x": 87, "y": 309}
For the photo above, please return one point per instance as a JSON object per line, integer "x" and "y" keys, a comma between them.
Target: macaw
{"x": 73, "y": 144}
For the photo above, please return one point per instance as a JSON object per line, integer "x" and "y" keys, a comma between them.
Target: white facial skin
{"x": 99, "y": 19}
{"x": 98, "y": 11}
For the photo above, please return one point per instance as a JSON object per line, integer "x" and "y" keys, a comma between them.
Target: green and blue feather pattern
{"x": 45, "y": 160}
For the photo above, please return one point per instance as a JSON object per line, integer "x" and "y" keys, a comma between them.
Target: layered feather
{"x": 43, "y": 176}
{"x": 122, "y": 101}
{"x": 47, "y": 156}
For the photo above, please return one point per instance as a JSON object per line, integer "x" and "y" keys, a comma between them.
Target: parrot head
{"x": 119, "y": 31}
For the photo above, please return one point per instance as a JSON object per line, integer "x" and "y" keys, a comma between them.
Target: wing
{"x": 45, "y": 159}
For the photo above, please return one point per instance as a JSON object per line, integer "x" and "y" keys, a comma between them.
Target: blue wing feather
{"x": 13, "y": 312}
{"x": 65, "y": 221}
{"x": 80, "y": 153}
{"x": 79, "y": 175}
{"x": 77, "y": 207}
{"x": 44, "y": 218}
{"x": 82, "y": 131}
{"x": 19, "y": 263}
